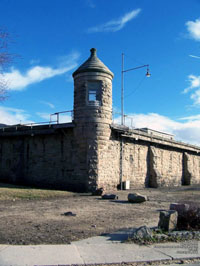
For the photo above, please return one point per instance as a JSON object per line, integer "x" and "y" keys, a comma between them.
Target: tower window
{"x": 92, "y": 95}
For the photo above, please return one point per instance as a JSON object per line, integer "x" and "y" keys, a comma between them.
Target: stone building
{"x": 91, "y": 152}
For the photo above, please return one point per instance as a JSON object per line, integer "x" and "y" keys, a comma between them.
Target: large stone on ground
{"x": 142, "y": 232}
{"x": 136, "y": 198}
{"x": 168, "y": 220}
{"x": 181, "y": 208}
{"x": 109, "y": 196}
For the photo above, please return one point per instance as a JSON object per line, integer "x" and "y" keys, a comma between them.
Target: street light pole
{"x": 122, "y": 92}
{"x": 122, "y": 84}
{"x": 122, "y": 112}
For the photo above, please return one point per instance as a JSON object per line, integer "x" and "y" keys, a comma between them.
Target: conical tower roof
{"x": 93, "y": 64}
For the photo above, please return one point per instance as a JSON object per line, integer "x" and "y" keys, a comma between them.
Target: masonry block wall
{"x": 148, "y": 163}
{"x": 54, "y": 158}
{"x": 166, "y": 167}
{"x": 109, "y": 165}
{"x": 191, "y": 169}
{"x": 133, "y": 164}
{"x": 43, "y": 158}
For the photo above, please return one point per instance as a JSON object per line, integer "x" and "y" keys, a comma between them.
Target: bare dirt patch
{"x": 42, "y": 221}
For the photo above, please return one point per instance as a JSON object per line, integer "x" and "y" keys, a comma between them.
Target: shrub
{"x": 189, "y": 219}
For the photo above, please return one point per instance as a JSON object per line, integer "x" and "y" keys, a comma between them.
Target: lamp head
{"x": 148, "y": 73}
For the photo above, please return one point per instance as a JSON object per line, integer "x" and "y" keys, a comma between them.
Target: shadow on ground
{"x": 120, "y": 236}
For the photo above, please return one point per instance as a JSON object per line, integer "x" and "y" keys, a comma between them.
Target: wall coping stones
{"x": 126, "y": 132}
{"x": 22, "y": 130}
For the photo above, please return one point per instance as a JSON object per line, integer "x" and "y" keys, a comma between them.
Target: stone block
{"x": 168, "y": 220}
{"x": 109, "y": 196}
{"x": 179, "y": 207}
{"x": 136, "y": 198}
{"x": 142, "y": 232}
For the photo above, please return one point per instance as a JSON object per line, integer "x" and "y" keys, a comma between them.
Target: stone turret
{"x": 92, "y": 91}
{"x": 92, "y": 114}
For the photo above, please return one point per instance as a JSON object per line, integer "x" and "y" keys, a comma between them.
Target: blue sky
{"x": 53, "y": 37}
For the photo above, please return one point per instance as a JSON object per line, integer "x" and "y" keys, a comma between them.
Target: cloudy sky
{"x": 52, "y": 38}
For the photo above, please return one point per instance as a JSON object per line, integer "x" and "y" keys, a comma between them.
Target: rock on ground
{"x": 136, "y": 198}
{"x": 168, "y": 220}
{"x": 142, "y": 232}
{"x": 109, "y": 196}
{"x": 179, "y": 207}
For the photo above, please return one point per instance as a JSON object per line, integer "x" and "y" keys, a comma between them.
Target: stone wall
{"x": 191, "y": 169}
{"x": 109, "y": 165}
{"x": 44, "y": 159}
{"x": 54, "y": 157}
{"x": 132, "y": 165}
{"x": 166, "y": 167}
{"x": 135, "y": 164}
{"x": 147, "y": 162}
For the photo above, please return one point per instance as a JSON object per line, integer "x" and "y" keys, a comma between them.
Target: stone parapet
{"x": 138, "y": 135}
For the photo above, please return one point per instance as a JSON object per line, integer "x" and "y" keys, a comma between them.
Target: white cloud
{"x": 17, "y": 80}
{"x": 151, "y": 120}
{"x": 191, "y": 118}
{"x": 196, "y": 97}
{"x": 187, "y": 131}
{"x": 195, "y": 86}
{"x": 51, "y": 105}
{"x": 115, "y": 25}
{"x": 68, "y": 60}
{"x": 45, "y": 116}
{"x": 11, "y": 116}
{"x": 63, "y": 118}
{"x": 193, "y": 28}
{"x": 194, "y": 83}
{"x": 194, "y": 56}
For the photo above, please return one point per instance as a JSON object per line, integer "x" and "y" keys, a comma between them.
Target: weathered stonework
{"x": 109, "y": 165}
{"x": 192, "y": 169}
{"x": 45, "y": 160}
{"x": 166, "y": 167}
{"x": 92, "y": 153}
{"x": 93, "y": 117}
{"x": 135, "y": 164}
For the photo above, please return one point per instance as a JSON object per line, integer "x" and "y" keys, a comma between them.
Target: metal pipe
{"x": 121, "y": 163}
{"x": 135, "y": 68}
{"x": 122, "y": 92}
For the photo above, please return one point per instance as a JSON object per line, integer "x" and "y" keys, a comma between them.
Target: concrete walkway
{"x": 96, "y": 250}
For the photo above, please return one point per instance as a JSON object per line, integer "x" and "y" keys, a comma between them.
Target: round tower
{"x": 92, "y": 113}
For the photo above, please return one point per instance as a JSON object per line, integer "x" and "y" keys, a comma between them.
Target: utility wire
{"x": 135, "y": 89}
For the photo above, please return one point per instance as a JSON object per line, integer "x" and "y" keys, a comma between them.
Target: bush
{"x": 189, "y": 219}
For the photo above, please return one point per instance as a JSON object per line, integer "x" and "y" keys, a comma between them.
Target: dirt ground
{"x": 42, "y": 221}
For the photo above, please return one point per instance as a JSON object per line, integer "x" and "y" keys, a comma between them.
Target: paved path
{"x": 96, "y": 250}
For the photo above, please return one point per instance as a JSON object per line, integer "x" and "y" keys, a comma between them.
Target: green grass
{"x": 15, "y": 192}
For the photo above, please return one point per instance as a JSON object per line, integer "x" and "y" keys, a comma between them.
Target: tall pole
{"x": 122, "y": 91}
{"x": 122, "y": 122}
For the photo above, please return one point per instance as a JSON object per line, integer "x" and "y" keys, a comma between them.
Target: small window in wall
{"x": 94, "y": 94}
